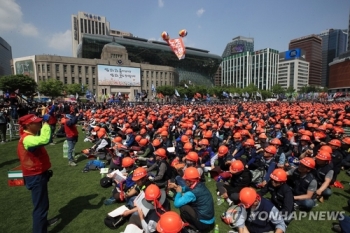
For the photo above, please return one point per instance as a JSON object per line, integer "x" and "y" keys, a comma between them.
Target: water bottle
{"x": 219, "y": 200}
{"x": 209, "y": 177}
{"x": 216, "y": 229}
{"x": 65, "y": 149}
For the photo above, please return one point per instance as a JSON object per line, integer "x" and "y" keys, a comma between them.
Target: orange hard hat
{"x": 324, "y": 155}
{"x": 129, "y": 131}
{"x": 249, "y": 142}
{"x": 188, "y": 132}
{"x": 222, "y": 150}
{"x": 236, "y": 166}
{"x": 127, "y": 162}
{"x": 170, "y": 222}
{"x": 305, "y": 138}
{"x": 188, "y": 146}
{"x": 270, "y": 150}
{"x": 117, "y": 139}
{"x": 138, "y": 138}
{"x": 143, "y": 142}
{"x": 326, "y": 148}
{"x": 63, "y": 121}
{"x": 161, "y": 152}
{"x": 275, "y": 141}
{"x": 346, "y": 140}
{"x": 237, "y": 135}
{"x": 308, "y": 162}
{"x": 191, "y": 173}
{"x": 262, "y": 136}
{"x": 156, "y": 142}
{"x": 192, "y": 156}
{"x": 204, "y": 142}
{"x": 335, "y": 142}
{"x": 164, "y": 133}
{"x": 143, "y": 131}
{"x": 247, "y": 196}
{"x": 139, "y": 173}
{"x": 184, "y": 139}
{"x": 208, "y": 134}
{"x": 152, "y": 192}
{"x": 279, "y": 175}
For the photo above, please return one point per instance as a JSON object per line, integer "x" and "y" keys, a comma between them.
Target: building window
{"x": 103, "y": 28}
{"x": 39, "y": 78}
{"x": 43, "y": 68}
{"x": 72, "y": 69}
{"x": 86, "y": 69}
{"x": 58, "y": 78}
{"x": 99, "y": 28}
{"x": 44, "y": 79}
{"x": 93, "y": 81}
{"x": 81, "y": 26}
{"x": 80, "y": 80}
{"x": 38, "y": 68}
{"x": 87, "y": 81}
{"x": 65, "y": 80}
{"x": 48, "y": 77}
{"x": 89, "y": 26}
{"x": 96, "y": 27}
{"x": 79, "y": 69}
{"x": 92, "y": 27}
{"x": 73, "y": 80}
{"x": 48, "y": 68}
{"x": 57, "y": 68}
{"x": 93, "y": 70}
{"x": 65, "y": 68}
{"x": 85, "y": 25}
{"x": 147, "y": 83}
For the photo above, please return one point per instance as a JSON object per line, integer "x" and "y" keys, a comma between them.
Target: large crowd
{"x": 294, "y": 151}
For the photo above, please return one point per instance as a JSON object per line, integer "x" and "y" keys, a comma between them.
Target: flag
{"x": 178, "y": 47}
{"x": 17, "y": 91}
{"x": 247, "y": 95}
{"x": 224, "y": 94}
{"x": 177, "y": 93}
{"x": 208, "y": 97}
{"x": 76, "y": 96}
{"x": 153, "y": 88}
{"x": 82, "y": 88}
{"x": 189, "y": 82}
{"x": 258, "y": 94}
{"x": 214, "y": 96}
{"x": 231, "y": 95}
{"x": 39, "y": 95}
{"x": 186, "y": 86}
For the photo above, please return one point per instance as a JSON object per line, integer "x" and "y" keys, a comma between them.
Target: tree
{"x": 72, "y": 89}
{"x": 290, "y": 90}
{"x": 52, "y": 88}
{"x": 277, "y": 89}
{"x": 24, "y": 84}
{"x": 166, "y": 90}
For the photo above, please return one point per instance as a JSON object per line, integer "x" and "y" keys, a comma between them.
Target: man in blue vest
{"x": 195, "y": 201}
{"x": 259, "y": 214}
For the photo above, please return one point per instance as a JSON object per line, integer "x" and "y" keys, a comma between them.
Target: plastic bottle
{"x": 216, "y": 229}
{"x": 209, "y": 177}
{"x": 65, "y": 149}
{"x": 219, "y": 200}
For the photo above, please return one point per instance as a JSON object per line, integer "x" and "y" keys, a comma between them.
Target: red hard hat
{"x": 127, "y": 162}
{"x": 222, "y": 150}
{"x": 275, "y": 141}
{"x": 335, "y": 142}
{"x": 160, "y": 152}
{"x": 247, "y": 196}
{"x": 324, "y": 155}
{"x": 271, "y": 150}
{"x": 308, "y": 162}
{"x": 279, "y": 175}
{"x": 236, "y": 166}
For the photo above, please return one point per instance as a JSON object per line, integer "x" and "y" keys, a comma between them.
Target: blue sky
{"x": 35, "y": 27}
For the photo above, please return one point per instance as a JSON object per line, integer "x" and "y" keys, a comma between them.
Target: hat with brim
{"x": 150, "y": 205}
{"x": 28, "y": 119}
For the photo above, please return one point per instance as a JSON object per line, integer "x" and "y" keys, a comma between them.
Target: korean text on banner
{"x": 178, "y": 47}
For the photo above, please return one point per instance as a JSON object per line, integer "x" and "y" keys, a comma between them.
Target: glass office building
{"x": 5, "y": 57}
{"x": 333, "y": 44}
{"x": 239, "y": 44}
{"x": 199, "y": 66}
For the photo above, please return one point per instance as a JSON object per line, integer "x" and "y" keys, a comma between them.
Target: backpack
{"x": 114, "y": 222}
{"x": 2, "y": 118}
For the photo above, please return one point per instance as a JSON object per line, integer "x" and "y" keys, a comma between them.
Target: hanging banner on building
{"x": 119, "y": 76}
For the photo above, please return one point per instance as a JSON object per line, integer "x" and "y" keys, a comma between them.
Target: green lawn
{"x": 77, "y": 198}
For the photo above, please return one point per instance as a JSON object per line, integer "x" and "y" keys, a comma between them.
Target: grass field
{"x": 77, "y": 198}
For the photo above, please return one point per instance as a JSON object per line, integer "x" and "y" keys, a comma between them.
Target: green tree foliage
{"x": 278, "y": 89}
{"x": 51, "y": 88}
{"x": 290, "y": 90}
{"x": 26, "y": 85}
{"x": 72, "y": 89}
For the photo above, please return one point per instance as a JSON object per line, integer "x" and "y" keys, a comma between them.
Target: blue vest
{"x": 204, "y": 204}
{"x": 264, "y": 225}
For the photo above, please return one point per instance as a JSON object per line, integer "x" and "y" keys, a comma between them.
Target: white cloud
{"x": 11, "y": 19}
{"x": 60, "y": 41}
{"x": 200, "y": 12}
{"x": 160, "y": 3}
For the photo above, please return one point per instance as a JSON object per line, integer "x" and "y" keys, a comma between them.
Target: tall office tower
{"x": 84, "y": 23}
{"x": 349, "y": 34}
{"x": 259, "y": 67}
{"x": 5, "y": 58}
{"x": 239, "y": 44}
{"x": 333, "y": 44}
{"x": 312, "y": 45}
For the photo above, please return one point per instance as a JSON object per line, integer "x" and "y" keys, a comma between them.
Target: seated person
{"x": 195, "y": 201}
{"x": 155, "y": 200}
{"x": 161, "y": 168}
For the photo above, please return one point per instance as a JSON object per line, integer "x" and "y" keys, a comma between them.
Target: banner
{"x": 119, "y": 76}
{"x": 178, "y": 47}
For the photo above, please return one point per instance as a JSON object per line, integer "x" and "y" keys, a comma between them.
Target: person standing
{"x": 3, "y": 125}
{"x": 35, "y": 163}
{"x": 71, "y": 131}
